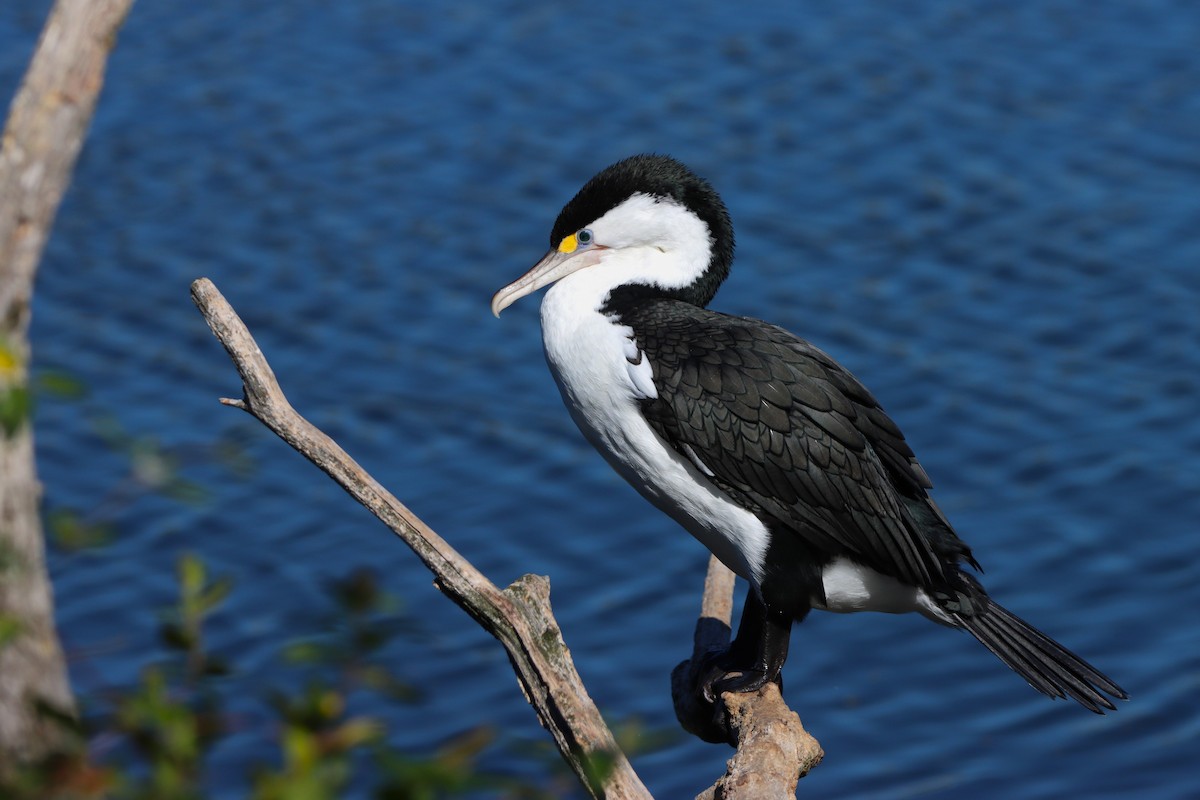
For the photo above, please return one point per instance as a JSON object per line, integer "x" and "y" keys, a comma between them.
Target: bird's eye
{"x": 584, "y": 237}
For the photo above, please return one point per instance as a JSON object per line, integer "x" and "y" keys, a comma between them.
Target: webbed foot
{"x": 752, "y": 660}
{"x": 719, "y": 672}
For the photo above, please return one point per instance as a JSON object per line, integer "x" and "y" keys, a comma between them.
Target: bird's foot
{"x": 718, "y": 673}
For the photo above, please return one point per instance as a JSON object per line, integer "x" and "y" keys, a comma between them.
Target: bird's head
{"x": 647, "y": 221}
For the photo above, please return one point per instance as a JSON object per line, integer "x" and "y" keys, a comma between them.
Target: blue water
{"x": 990, "y": 212}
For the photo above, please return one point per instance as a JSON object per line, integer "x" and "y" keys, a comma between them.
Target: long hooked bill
{"x": 555, "y": 266}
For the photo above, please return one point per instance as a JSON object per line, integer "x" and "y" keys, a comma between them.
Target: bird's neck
{"x": 627, "y": 298}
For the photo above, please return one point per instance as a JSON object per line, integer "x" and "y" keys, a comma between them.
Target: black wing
{"x": 790, "y": 431}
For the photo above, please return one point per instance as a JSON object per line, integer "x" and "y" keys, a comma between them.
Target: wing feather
{"x": 788, "y": 430}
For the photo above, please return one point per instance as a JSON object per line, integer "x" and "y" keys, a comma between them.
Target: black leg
{"x": 756, "y": 654}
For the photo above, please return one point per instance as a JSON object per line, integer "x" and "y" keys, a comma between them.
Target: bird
{"x": 759, "y": 444}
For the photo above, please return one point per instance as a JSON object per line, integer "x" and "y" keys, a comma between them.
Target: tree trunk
{"x": 46, "y": 126}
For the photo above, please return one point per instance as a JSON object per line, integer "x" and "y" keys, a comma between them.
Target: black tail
{"x": 1048, "y": 666}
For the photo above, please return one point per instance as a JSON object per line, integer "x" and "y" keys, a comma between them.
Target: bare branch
{"x": 519, "y": 616}
{"x": 773, "y": 749}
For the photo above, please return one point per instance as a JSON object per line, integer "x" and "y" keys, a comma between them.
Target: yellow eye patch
{"x": 568, "y": 245}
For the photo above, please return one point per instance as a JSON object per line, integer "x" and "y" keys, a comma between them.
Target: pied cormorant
{"x": 759, "y": 444}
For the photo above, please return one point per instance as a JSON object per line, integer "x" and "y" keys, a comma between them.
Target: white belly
{"x": 587, "y": 354}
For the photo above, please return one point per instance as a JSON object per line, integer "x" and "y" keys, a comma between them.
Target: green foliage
{"x": 316, "y": 740}
{"x": 71, "y": 531}
{"x": 182, "y": 627}
{"x": 16, "y": 402}
{"x": 169, "y": 721}
{"x": 16, "y": 406}
{"x": 171, "y": 732}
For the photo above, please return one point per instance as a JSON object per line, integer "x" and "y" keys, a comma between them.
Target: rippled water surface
{"x": 989, "y": 212}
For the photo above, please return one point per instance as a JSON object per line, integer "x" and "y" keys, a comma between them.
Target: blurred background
{"x": 988, "y": 211}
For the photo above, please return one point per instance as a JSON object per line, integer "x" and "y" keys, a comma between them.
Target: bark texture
{"x": 46, "y": 126}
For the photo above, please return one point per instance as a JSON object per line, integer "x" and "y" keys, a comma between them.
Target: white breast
{"x": 595, "y": 363}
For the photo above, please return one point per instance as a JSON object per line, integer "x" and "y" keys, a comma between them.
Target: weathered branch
{"x": 42, "y": 139}
{"x": 773, "y": 749}
{"x": 519, "y": 616}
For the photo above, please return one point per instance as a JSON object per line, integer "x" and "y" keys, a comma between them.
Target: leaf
{"x": 300, "y": 747}
{"x": 16, "y": 406}
{"x": 215, "y": 593}
{"x": 352, "y": 733}
{"x": 61, "y": 384}
{"x": 191, "y": 574}
{"x": 71, "y": 532}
